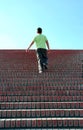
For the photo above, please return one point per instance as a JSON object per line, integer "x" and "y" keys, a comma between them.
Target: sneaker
{"x": 40, "y": 72}
{"x": 45, "y": 66}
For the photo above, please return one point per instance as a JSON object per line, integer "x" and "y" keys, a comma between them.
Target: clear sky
{"x": 61, "y": 21}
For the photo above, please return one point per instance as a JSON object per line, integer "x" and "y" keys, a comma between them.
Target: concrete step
{"x": 41, "y": 113}
{"x": 41, "y": 105}
{"x": 24, "y": 92}
{"x": 41, "y": 98}
{"x": 42, "y": 123}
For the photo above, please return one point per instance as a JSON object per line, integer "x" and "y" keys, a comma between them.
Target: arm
{"x": 47, "y": 43}
{"x": 30, "y": 45}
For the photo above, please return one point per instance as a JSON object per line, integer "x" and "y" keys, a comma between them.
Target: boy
{"x": 41, "y": 42}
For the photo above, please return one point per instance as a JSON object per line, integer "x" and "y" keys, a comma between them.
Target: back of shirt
{"x": 40, "y": 41}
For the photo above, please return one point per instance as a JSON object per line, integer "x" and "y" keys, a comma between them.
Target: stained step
{"x": 42, "y": 123}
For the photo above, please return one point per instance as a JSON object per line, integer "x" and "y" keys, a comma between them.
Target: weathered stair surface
{"x": 51, "y": 100}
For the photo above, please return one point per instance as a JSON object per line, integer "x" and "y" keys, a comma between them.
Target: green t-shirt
{"x": 40, "y": 41}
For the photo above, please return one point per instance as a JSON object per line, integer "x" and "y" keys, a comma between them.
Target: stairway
{"x": 51, "y": 100}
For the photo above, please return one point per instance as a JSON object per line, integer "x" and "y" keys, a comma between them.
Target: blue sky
{"x": 61, "y": 21}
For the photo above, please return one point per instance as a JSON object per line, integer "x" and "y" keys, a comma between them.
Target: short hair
{"x": 39, "y": 30}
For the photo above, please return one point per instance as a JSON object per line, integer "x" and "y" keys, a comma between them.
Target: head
{"x": 39, "y": 30}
